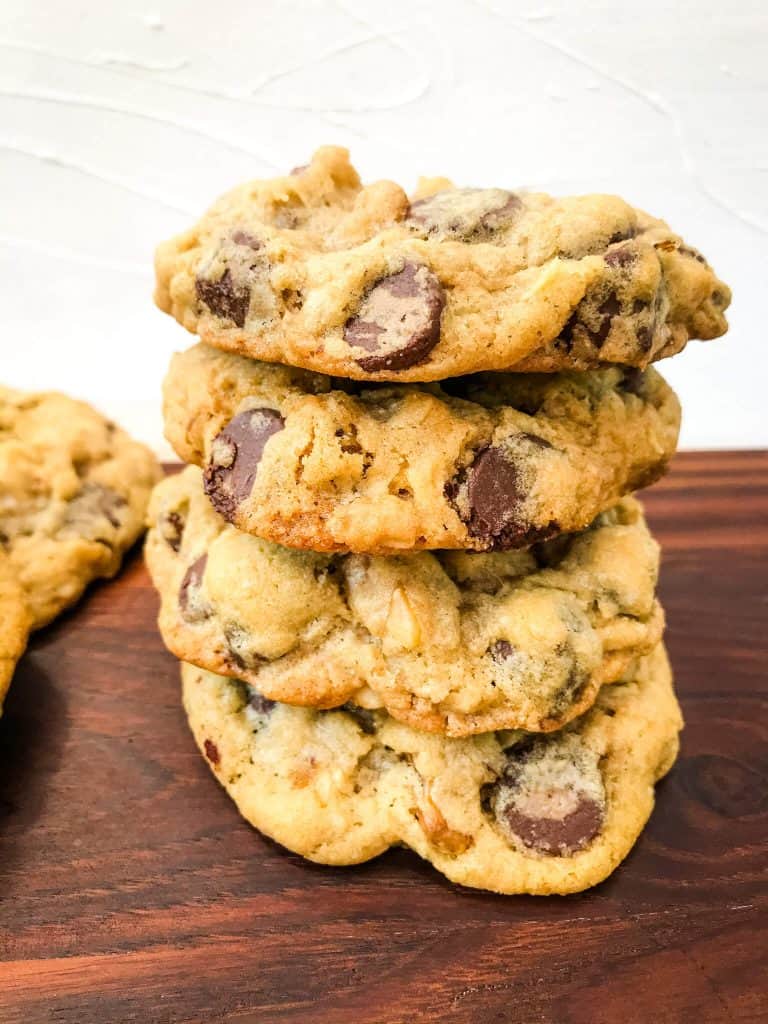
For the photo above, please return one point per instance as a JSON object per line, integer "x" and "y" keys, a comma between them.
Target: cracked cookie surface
{"x": 452, "y": 642}
{"x": 487, "y": 462}
{"x": 73, "y": 496}
{"x": 504, "y": 811}
{"x": 15, "y": 622}
{"x": 314, "y": 270}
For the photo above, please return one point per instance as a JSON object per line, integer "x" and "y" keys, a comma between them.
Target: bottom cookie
{"x": 15, "y": 622}
{"x": 511, "y": 812}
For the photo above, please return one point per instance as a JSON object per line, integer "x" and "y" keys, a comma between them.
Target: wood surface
{"x": 130, "y": 890}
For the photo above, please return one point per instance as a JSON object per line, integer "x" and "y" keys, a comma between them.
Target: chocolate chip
{"x": 572, "y": 689}
{"x": 607, "y": 310}
{"x": 501, "y": 650}
{"x": 622, "y": 257}
{"x": 687, "y": 250}
{"x": 192, "y": 608}
{"x": 239, "y": 646}
{"x": 364, "y": 718}
{"x": 550, "y": 796}
{"x": 86, "y": 511}
{"x": 235, "y": 455}
{"x": 599, "y": 327}
{"x": 224, "y": 298}
{"x": 109, "y": 504}
{"x": 622, "y": 236}
{"x": 557, "y": 836}
{"x": 494, "y": 494}
{"x": 212, "y": 752}
{"x": 645, "y": 333}
{"x": 241, "y": 237}
{"x": 258, "y": 709}
{"x": 489, "y": 494}
{"x": 398, "y": 321}
{"x": 466, "y": 214}
{"x": 243, "y": 285}
{"x": 261, "y": 704}
{"x": 172, "y": 529}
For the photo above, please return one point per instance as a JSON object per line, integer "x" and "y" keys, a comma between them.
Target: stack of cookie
{"x": 413, "y": 593}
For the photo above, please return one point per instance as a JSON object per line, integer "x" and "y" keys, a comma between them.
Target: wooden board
{"x": 131, "y": 891}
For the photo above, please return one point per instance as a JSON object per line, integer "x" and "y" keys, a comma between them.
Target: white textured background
{"x": 120, "y": 121}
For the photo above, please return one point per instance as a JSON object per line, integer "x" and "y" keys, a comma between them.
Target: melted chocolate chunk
{"x": 239, "y": 647}
{"x": 230, "y": 295}
{"x": 172, "y": 529}
{"x": 557, "y": 836}
{"x": 362, "y": 716}
{"x": 600, "y": 323}
{"x": 260, "y": 704}
{"x": 550, "y": 797}
{"x": 494, "y": 494}
{"x": 398, "y": 321}
{"x": 224, "y": 298}
{"x": 192, "y": 608}
{"x": 235, "y": 455}
{"x": 86, "y": 512}
{"x": 489, "y": 494}
{"x": 607, "y": 310}
{"x": 212, "y": 752}
{"x": 501, "y": 650}
{"x": 624, "y": 256}
{"x": 241, "y": 237}
{"x": 259, "y": 709}
{"x": 109, "y": 504}
{"x": 465, "y": 214}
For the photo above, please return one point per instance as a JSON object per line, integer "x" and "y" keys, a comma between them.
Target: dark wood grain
{"x": 131, "y": 891}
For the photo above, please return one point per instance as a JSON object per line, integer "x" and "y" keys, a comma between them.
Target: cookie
{"x": 506, "y": 811}
{"x": 486, "y": 462}
{"x": 449, "y": 642}
{"x": 14, "y": 624}
{"x": 314, "y": 270}
{"x": 73, "y": 496}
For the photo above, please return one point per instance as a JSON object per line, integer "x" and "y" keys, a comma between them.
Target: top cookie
{"x": 314, "y": 270}
{"x": 73, "y": 495}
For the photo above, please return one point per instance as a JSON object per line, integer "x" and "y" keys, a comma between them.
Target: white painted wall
{"x": 119, "y": 121}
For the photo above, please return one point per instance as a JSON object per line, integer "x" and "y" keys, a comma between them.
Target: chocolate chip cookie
{"x": 73, "y": 496}
{"x": 484, "y": 463}
{"x": 14, "y": 624}
{"x": 314, "y": 270}
{"x": 506, "y": 811}
{"x": 451, "y": 642}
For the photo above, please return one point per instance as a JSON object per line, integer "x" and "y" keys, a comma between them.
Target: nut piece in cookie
{"x": 550, "y": 797}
